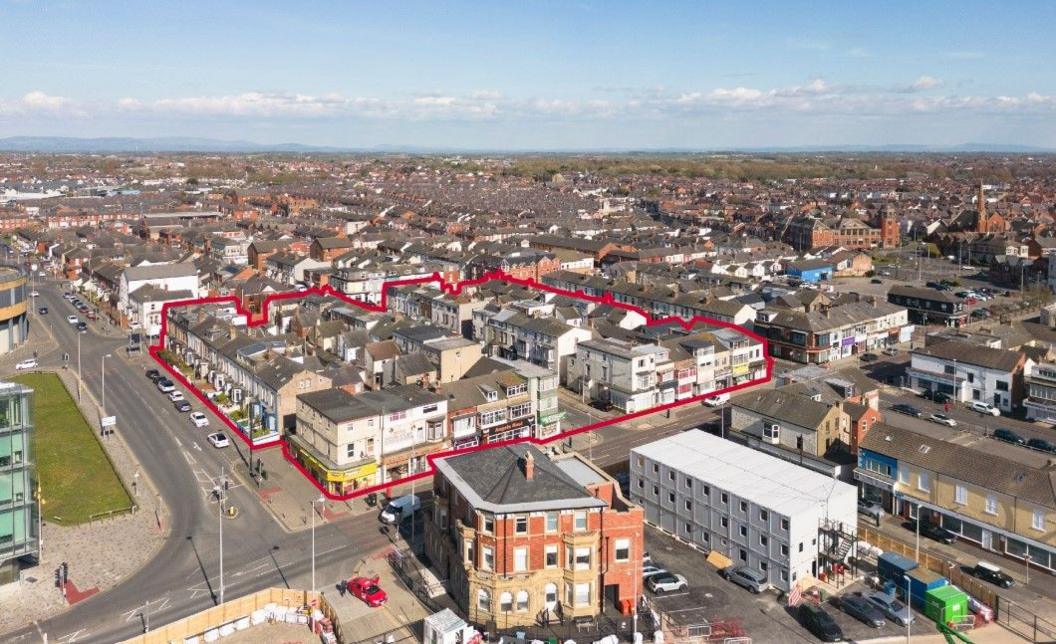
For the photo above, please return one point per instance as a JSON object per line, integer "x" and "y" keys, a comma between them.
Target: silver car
{"x": 891, "y": 607}
{"x": 745, "y": 577}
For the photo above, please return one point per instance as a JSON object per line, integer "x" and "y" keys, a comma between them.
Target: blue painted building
{"x": 876, "y": 474}
{"x": 810, "y": 270}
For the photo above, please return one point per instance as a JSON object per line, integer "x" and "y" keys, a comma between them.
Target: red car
{"x": 367, "y": 590}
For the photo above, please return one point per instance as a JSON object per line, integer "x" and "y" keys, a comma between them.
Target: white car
{"x": 218, "y": 440}
{"x": 667, "y": 582}
{"x": 72, "y": 319}
{"x": 33, "y": 294}
{"x": 942, "y": 419}
{"x": 984, "y": 408}
{"x": 717, "y": 400}
{"x": 175, "y": 396}
{"x": 28, "y": 363}
{"x": 199, "y": 419}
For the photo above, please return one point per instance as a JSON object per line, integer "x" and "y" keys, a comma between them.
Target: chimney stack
{"x": 529, "y": 466}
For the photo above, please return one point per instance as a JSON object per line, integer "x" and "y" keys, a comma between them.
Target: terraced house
{"x": 1001, "y": 498}
{"x": 826, "y": 333}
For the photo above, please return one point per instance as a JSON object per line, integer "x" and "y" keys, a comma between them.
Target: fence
{"x": 1025, "y": 622}
{"x": 235, "y": 609}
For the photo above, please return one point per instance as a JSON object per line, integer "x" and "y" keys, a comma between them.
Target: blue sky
{"x": 520, "y": 75}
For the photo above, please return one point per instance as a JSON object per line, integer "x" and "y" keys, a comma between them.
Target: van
{"x": 400, "y": 508}
{"x": 717, "y": 400}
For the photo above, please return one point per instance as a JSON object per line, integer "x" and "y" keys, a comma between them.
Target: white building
{"x": 165, "y": 277}
{"x": 755, "y": 509}
{"x": 617, "y": 372}
{"x": 970, "y": 372}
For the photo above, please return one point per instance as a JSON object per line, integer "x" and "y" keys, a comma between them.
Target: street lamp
{"x": 909, "y": 610}
{"x": 80, "y": 381}
{"x": 321, "y": 499}
{"x": 221, "y": 489}
{"x": 102, "y": 369}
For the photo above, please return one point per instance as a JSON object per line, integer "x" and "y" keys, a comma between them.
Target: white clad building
{"x": 756, "y": 509}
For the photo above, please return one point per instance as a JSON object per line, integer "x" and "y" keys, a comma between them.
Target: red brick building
{"x": 522, "y": 538}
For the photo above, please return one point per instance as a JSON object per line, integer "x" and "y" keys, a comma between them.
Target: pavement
{"x": 182, "y": 575}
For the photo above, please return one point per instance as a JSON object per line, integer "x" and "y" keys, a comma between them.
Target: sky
{"x": 569, "y": 75}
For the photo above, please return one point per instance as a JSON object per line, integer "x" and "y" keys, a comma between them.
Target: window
{"x": 670, "y": 497}
{"x": 689, "y": 505}
{"x": 725, "y": 498}
{"x": 743, "y": 530}
{"x": 550, "y": 594}
{"x": 707, "y": 490}
{"x": 723, "y": 521}
{"x": 763, "y": 566}
{"x": 801, "y": 546}
{"x": 487, "y": 523}
{"x": 506, "y": 602}
{"x": 429, "y": 409}
{"x": 517, "y": 389}
{"x": 488, "y": 562}
{"x": 784, "y": 524}
{"x": 552, "y": 518}
{"x": 743, "y": 554}
{"x": 484, "y": 600}
{"x": 688, "y": 483}
{"x": 551, "y": 556}
{"x": 671, "y": 475}
{"x": 771, "y": 431}
{"x": 581, "y": 520}
{"x": 399, "y": 415}
{"x": 960, "y": 495}
{"x": 623, "y": 549}
{"x": 582, "y": 597}
{"x": 744, "y": 506}
{"x": 1038, "y": 520}
{"x": 656, "y": 468}
{"x": 784, "y": 549}
{"x": 763, "y": 541}
{"x": 991, "y": 504}
{"x": 521, "y": 410}
{"x": 1001, "y": 385}
{"x": 923, "y": 482}
{"x": 903, "y": 475}
{"x": 582, "y": 558}
{"x": 764, "y": 515}
{"x": 350, "y": 450}
{"x": 520, "y": 525}
{"x": 522, "y": 601}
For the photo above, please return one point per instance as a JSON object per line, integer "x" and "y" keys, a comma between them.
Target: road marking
{"x": 176, "y": 438}
{"x": 190, "y": 459}
{"x": 196, "y": 446}
{"x": 137, "y": 611}
{"x": 71, "y": 637}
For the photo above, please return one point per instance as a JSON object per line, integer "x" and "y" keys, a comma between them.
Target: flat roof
{"x": 765, "y": 480}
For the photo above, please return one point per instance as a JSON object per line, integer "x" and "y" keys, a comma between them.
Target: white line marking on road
{"x": 71, "y": 637}
{"x": 175, "y": 438}
{"x": 196, "y": 446}
{"x": 190, "y": 459}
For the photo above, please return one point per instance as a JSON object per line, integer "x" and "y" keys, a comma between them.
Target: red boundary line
{"x": 453, "y": 289}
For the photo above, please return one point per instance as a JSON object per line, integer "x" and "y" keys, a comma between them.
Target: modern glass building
{"x": 19, "y": 536}
{"x": 14, "y": 309}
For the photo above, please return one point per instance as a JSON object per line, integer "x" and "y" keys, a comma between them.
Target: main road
{"x": 183, "y": 576}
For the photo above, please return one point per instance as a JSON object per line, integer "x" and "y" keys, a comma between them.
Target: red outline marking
{"x": 453, "y": 289}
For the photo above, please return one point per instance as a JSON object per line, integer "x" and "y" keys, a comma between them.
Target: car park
{"x": 1041, "y": 445}
{"x": 218, "y": 440}
{"x": 667, "y": 583}
{"x": 182, "y": 406}
{"x": 908, "y": 410}
{"x": 745, "y": 577}
{"x": 862, "y": 610}
{"x": 818, "y": 621}
{"x": 28, "y": 363}
{"x": 989, "y": 572}
{"x": 1009, "y": 436}
{"x": 942, "y": 419}
{"x": 891, "y": 607}
{"x": 984, "y": 408}
{"x": 199, "y": 419}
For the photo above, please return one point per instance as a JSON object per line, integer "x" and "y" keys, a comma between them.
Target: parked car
{"x": 745, "y": 577}
{"x": 989, "y": 572}
{"x": 175, "y": 396}
{"x": 933, "y": 531}
{"x": 91, "y": 315}
{"x": 890, "y": 351}
{"x": 942, "y": 419}
{"x": 154, "y": 375}
{"x": 650, "y": 569}
{"x": 368, "y": 590}
{"x": 876, "y": 281}
{"x": 1041, "y": 445}
{"x": 1009, "y": 436}
{"x": 862, "y": 610}
{"x": 82, "y": 327}
{"x": 937, "y": 396}
{"x": 868, "y": 357}
{"x": 72, "y": 319}
{"x": 199, "y": 419}
{"x": 218, "y": 440}
{"x": 43, "y": 310}
{"x": 28, "y": 363}
{"x": 717, "y": 400}
{"x": 818, "y": 621}
{"x": 891, "y": 607}
{"x": 908, "y": 410}
{"x": 182, "y": 406}
{"x": 165, "y": 385}
{"x": 667, "y": 582}
{"x": 933, "y": 285}
{"x": 400, "y": 508}
{"x": 984, "y": 408}
{"x": 870, "y": 508}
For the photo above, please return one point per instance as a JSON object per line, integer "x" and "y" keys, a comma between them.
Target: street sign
{"x": 108, "y": 421}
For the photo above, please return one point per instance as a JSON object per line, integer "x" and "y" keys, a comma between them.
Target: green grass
{"x": 77, "y": 480}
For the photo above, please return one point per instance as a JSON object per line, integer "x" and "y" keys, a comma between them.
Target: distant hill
{"x": 57, "y": 144}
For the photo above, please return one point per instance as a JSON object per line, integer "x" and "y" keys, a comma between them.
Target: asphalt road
{"x": 183, "y": 577}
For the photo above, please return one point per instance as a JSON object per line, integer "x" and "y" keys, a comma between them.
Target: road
{"x": 183, "y": 577}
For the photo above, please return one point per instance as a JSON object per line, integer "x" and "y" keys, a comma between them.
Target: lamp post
{"x": 1026, "y": 562}
{"x": 909, "y": 611}
{"x": 916, "y": 550}
{"x": 80, "y": 381}
{"x": 221, "y": 495}
{"x": 321, "y": 499}
{"x": 102, "y": 370}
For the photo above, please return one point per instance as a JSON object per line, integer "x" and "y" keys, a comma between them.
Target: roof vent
{"x": 924, "y": 449}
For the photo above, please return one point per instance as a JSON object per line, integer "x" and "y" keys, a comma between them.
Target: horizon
{"x": 542, "y": 77}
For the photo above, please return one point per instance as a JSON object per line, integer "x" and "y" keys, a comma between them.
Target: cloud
{"x": 808, "y": 44}
{"x": 926, "y": 82}
{"x": 963, "y": 55}
{"x": 859, "y": 52}
{"x": 38, "y": 102}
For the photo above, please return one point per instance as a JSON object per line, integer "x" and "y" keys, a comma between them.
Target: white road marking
{"x": 71, "y": 637}
{"x": 190, "y": 459}
{"x": 196, "y": 446}
{"x": 176, "y": 438}
{"x": 153, "y": 605}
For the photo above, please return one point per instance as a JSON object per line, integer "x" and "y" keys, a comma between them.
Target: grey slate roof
{"x": 966, "y": 353}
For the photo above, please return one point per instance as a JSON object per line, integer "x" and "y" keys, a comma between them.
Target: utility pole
{"x": 221, "y": 495}
{"x": 80, "y": 381}
{"x": 321, "y": 499}
{"x": 909, "y": 614}
{"x": 916, "y": 550}
{"x": 102, "y": 369}
{"x": 410, "y": 464}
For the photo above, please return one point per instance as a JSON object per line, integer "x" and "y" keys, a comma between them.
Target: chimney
{"x": 529, "y": 466}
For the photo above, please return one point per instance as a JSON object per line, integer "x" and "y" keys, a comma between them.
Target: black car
{"x": 934, "y": 531}
{"x": 154, "y": 375}
{"x": 937, "y": 396}
{"x": 868, "y": 357}
{"x": 908, "y": 410}
{"x": 182, "y": 405}
{"x": 1041, "y": 445}
{"x": 991, "y": 573}
{"x": 818, "y": 621}
{"x": 876, "y": 281}
{"x": 43, "y": 310}
{"x": 862, "y": 610}
{"x": 933, "y": 285}
{"x": 82, "y": 327}
{"x": 1009, "y": 436}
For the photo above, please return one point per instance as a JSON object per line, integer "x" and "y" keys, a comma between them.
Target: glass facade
{"x": 18, "y": 503}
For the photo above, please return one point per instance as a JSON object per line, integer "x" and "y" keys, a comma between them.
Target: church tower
{"x": 981, "y": 224}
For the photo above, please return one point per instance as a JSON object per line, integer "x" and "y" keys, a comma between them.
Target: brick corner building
{"x": 524, "y": 539}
